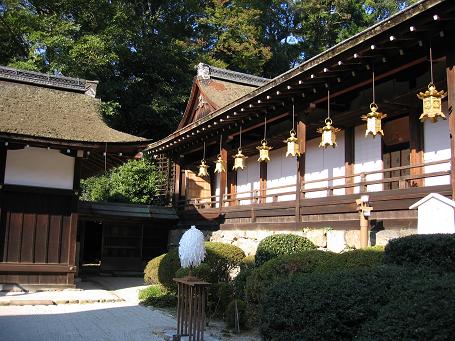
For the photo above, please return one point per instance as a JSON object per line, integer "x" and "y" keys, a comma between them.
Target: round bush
{"x": 284, "y": 267}
{"x": 203, "y": 272}
{"x": 281, "y": 244}
{"x": 151, "y": 270}
{"x": 433, "y": 250}
{"x": 334, "y": 305}
{"x": 219, "y": 296}
{"x": 167, "y": 269}
{"x": 222, "y": 259}
{"x": 359, "y": 258}
{"x": 231, "y": 312}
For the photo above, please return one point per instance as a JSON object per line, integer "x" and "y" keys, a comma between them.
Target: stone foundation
{"x": 323, "y": 238}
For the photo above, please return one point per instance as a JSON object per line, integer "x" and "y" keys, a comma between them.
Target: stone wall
{"x": 323, "y": 238}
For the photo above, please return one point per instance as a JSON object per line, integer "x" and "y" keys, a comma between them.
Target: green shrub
{"x": 223, "y": 258}
{"x": 167, "y": 269}
{"x": 284, "y": 267}
{"x": 359, "y": 258}
{"x": 151, "y": 270}
{"x": 425, "y": 310}
{"x": 158, "y": 296}
{"x": 230, "y": 315}
{"x": 203, "y": 272}
{"x": 335, "y": 305}
{"x": 219, "y": 296}
{"x": 248, "y": 262}
{"x": 281, "y": 244}
{"x": 433, "y": 250}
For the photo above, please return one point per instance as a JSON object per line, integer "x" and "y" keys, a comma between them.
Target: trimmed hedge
{"x": 284, "y": 267}
{"x": 203, "y": 272}
{"x": 370, "y": 257}
{"x": 231, "y": 312}
{"x": 222, "y": 259}
{"x": 151, "y": 270}
{"x": 246, "y": 268}
{"x": 336, "y": 305}
{"x": 281, "y": 244}
{"x": 167, "y": 269}
{"x": 433, "y": 250}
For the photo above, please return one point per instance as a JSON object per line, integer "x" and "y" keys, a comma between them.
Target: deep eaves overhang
{"x": 309, "y": 71}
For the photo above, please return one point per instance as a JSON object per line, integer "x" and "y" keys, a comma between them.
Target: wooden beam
{"x": 232, "y": 186}
{"x": 36, "y": 267}
{"x": 450, "y": 70}
{"x": 3, "y": 152}
{"x": 416, "y": 147}
{"x": 301, "y": 135}
{"x": 262, "y": 182}
{"x": 349, "y": 157}
{"x": 177, "y": 180}
{"x": 223, "y": 176}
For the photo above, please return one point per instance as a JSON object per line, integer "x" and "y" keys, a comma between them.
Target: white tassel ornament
{"x": 191, "y": 248}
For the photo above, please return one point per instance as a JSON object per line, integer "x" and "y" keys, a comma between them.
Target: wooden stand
{"x": 192, "y": 296}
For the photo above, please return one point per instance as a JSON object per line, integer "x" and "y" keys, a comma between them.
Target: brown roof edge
{"x": 338, "y": 49}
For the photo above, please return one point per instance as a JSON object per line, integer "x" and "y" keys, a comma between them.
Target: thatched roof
{"x": 36, "y": 111}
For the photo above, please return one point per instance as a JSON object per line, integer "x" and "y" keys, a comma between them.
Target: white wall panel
{"x": 368, "y": 157}
{"x": 322, "y": 164}
{"x": 281, "y": 171}
{"x": 39, "y": 167}
{"x": 436, "y": 148}
{"x": 248, "y": 179}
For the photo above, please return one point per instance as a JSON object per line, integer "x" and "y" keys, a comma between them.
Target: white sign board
{"x": 435, "y": 214}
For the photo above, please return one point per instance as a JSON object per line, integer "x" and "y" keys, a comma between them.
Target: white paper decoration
{"x": 191, "y": 248}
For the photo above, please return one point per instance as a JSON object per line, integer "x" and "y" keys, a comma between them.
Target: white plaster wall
{"x": 39, "y": 167}
{"x": 437, "y": 147}
{"x": 368, "y": 157}
{"x": 281, "y": 171}
{"x": 323, "y": 163}
{"x": 217, "y": 188}
{"x": 248, "y": 180}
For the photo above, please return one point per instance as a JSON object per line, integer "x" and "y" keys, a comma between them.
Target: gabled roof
{"x": 214, "y": 88}
{"x": 436, "y": 196}
{"x": 38, "y": 106}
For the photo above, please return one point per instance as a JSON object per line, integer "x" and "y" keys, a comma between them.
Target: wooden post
{"x": 223, "y": 176}
{"x": 177, "y": 179}
{"x": 232, "y": 185}
{"x": 416, "y": 148}
{"x": 450, "y": 69}
{"x": 301, "y": 135}
{"x": 262, "y": 182}
{"x": 349, "y": 158}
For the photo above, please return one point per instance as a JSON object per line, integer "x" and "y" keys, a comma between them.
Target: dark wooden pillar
{"x": 3, "y": 151}
{"x": 262, "y": 182}
{"x": 232, "y": 186}
{"x": 349, "y": 157}
{"x": 223, "y": 177}
{"x": 177, "y": 180}
{"x": 301, "y": 135}
{"x": 416, "y": 148}
{"x": 450, "y": 60}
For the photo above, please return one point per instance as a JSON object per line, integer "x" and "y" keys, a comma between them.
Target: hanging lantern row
{"x": 432, "y": 99}
{"x": 432, "y": 110}
{"x": 264, "y": 148}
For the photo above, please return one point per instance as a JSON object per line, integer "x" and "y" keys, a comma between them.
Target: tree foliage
{"x": 144, "y": 52}
{"x": 134, "y": 182}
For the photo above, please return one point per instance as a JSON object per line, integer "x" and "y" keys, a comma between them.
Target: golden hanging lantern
{"x": 328, "y": 132}
{"x": 203, "y": 169}
{"x": 432, "y": 99}
{"x": 219, "y": 165}
{"x": 373, "y": 118}
{"x": 292, "y": 144}
{"x": 239, "y": 160}
{"x": 264, "y": 151}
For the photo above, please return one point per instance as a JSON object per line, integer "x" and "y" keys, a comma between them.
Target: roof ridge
{"x": 206, "y": 71}
{"x": 43, "y": 79}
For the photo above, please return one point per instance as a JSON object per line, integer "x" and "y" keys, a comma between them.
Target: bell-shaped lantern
{"x": 264, "y": 151}
{"x": 239, "y": 160}
{"x": 328, "y": 132}
{"x": 203, "y": 169}
{"x": 373, "y": 119}
{"x": 219, "y": 165}
{"x": 292, "y": 144}
{"x": 432, "y": 99}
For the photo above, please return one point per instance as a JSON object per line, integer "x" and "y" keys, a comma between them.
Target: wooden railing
{"x": 355, "y": 183}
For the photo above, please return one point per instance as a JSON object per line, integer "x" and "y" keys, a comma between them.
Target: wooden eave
{"x": 314, "y": 76}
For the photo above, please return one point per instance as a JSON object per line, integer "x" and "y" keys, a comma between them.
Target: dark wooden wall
{"x": 38, "y": 234}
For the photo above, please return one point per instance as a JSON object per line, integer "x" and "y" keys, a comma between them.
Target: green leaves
{"x": 134, "y": 182}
